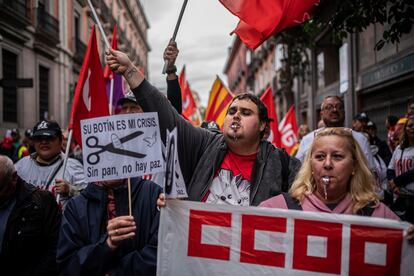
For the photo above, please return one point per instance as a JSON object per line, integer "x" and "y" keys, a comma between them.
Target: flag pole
{"x": 177, "y": 26}
{"x": 98, "y": 22}
{"x": 67, "y": 151}
{"x": 65, "y": 161}
{"x": 129, "y": 197}
{"x": 111, "y": 94}
{"x": 199, "y": 115}
{"x": 99, "y": 25}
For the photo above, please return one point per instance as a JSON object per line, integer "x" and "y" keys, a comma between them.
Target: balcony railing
{"x": 47, "y": 27}
{"x": 80, "y": 50}
{"x": 14, "y": 12}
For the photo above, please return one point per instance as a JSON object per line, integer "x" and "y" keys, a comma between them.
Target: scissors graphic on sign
{"x": 115, "y": 147}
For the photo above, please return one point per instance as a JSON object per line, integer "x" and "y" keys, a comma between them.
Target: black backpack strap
{"x": 53, "y": 174}
{"x": 367, "y": 210}
{"x": 291, "y": 203}
{"x": 284, "y": 160}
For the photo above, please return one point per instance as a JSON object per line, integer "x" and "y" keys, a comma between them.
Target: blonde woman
{"x": 335, "y": 179}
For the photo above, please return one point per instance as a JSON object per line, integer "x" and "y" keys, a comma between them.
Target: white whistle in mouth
{"x": 325, "y": 181}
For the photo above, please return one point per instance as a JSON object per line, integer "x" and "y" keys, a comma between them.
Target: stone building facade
{"x": 45, "y": 41}
{"x": 379, "y": 83}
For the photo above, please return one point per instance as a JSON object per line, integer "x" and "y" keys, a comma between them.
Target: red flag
{"x": 288, "y": 130}
{"x": 90, "y": 98}
{"x": 181, "y": 79}
{"x": 261, "y": 19}
{"x": 189, "y": 104}
{"x": 268, "y": 99}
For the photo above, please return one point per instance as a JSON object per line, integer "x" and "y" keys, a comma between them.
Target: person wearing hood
{"x": 98, "y": 236}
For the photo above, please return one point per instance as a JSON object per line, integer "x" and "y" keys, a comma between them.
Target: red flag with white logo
{"x": 189, "y": 104}
{"x": 90, "y": 98}
{"x": 268, "y": 99}
{"x": 288, "y": 128}
{"x": 181, "y": 79}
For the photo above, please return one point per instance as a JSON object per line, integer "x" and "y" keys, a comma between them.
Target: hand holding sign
{"x": 119, "y": 229}
{"x": 161, "y": 200}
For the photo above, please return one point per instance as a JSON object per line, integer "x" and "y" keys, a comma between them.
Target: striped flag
{"x": 218, "y": 102}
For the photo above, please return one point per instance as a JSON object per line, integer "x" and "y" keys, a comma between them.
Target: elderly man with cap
{"x": 44, "y": 168}
{"x": 29, "y": 226}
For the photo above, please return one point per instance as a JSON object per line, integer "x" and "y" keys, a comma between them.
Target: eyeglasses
{"x": 331, "y": 107}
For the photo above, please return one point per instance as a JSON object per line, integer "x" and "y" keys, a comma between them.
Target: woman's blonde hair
{"x": 362, "y": 184}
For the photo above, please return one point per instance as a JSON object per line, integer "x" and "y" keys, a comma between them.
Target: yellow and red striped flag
{"x": 218, "y": 102}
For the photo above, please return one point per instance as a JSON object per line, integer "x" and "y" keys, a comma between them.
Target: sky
{"x": 203, "y": 40}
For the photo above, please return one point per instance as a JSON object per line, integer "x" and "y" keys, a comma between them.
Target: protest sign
{"x": 174, "y": 185}
{"x": 121, "y": 146}
{"x": 204, "y": 239}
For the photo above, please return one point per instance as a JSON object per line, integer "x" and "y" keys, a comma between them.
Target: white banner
{"x": 174, "y": 185}
{"x": 121, "y": 146}
{"x": 203, "y": 239}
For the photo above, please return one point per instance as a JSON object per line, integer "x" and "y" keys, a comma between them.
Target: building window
{"x": 43, "y": 92}
{"x": 9, "y": 93}
{"x": 327, "y": 61}
{"x": 77, "y": 26}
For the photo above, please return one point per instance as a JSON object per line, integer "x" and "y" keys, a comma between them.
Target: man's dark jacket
{"x": 82, "y": 247}
{"x": 31, "y": 235}
{"x": 201, "y": 152}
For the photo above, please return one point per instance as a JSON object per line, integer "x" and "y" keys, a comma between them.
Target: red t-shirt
{"x": 231, "y": 185}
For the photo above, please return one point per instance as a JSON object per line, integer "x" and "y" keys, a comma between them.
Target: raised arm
{"x": 192, "y": 141}
{"x": 173, "y": 86}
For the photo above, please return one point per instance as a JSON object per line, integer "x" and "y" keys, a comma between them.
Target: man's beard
{"x": 337, "y": 123}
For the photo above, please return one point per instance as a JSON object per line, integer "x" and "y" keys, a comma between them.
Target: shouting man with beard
{"x": 234, "y": 167}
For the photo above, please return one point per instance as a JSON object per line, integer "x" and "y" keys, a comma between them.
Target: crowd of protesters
{"x": 61, "y": 225}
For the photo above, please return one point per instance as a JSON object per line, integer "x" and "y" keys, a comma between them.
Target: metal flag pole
{"x": 98, "y": 22}
{"x": 177, "y": 26}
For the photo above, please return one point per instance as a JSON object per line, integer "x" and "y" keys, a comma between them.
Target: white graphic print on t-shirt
{"x": 229, "y": 189}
